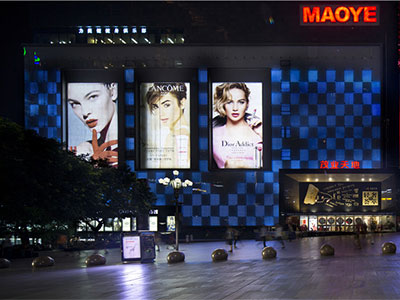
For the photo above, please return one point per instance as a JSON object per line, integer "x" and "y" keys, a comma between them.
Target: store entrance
{"x": 337, "y": 200}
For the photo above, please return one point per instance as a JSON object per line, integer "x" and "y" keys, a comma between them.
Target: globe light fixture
{"x": 177, "y": 184}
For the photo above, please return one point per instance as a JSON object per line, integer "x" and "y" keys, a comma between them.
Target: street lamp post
{"x": 177, "y": 185}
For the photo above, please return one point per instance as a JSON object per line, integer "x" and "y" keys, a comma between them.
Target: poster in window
{"x": 237, "y": 131}
{"x": 92, "y": 118}
{"x": 165, "y": 125}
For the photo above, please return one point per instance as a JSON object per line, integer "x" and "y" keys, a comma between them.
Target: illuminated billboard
{"x": 92, "y": 115}
{"x": 340, "y": 196}
{"x": 131, "y": 249}
{"x": 165, "y": 125}
{"x": 237, "y": 131}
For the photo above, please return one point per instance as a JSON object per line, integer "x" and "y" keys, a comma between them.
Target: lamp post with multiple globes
{"x": 177, "y": 184}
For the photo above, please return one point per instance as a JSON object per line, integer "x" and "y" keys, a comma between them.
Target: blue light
{"x": 214, "y": 199}
{"x": 367, "y": 75}
{"x": 276, "y": 75}
{"x": 294, "y": 75}
{"x": 202, "y": 75}
{"x": 330, "y": 75}
{"x": 203, "y": 143}
{"x": 232, "y": 199}
{"x": 349, "y": 76}
{"x": 129, "y": 75}
{"x": 312, "y": 75}
{"x": 276, "y": 98}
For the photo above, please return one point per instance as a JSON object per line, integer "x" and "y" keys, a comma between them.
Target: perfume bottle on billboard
{"x": 258, "y": 156}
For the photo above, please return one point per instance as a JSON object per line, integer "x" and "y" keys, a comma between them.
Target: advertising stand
{"x": 138, "y": 247}
{"x": 147, "y": 247}
{"x": 130, "y": 247}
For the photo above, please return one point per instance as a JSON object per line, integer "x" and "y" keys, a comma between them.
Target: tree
{"x": 45, "y": 188}
{"x": 42, "y": 185}
{"x": 122, "y": 195}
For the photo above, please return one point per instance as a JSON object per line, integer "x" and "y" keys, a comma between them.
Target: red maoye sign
{"x": 339, "y": 15}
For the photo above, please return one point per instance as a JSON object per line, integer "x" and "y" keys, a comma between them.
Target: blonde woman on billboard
{"x": 166, "y": 102}
{"x": 94, "y": 104}
{"x": 237, "y": 134}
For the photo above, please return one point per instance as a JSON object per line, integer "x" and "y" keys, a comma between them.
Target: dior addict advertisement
{"x": 237, "y": 134}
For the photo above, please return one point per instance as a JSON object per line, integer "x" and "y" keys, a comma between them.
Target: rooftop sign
{"x": 339, "y": 15}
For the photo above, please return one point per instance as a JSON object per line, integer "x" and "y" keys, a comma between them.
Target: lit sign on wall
{"x": 165, "y": 125}
{"x": 344, "y": 164}
{"x": 339, "y": 15}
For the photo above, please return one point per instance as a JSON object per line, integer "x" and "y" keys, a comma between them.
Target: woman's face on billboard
{"x": 236, "y": 106}
{"x": 168, "y": 109}
{"x": 93, "y": 103}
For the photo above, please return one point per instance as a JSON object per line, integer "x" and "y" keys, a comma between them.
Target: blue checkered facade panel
{"x": 316, "y": 115}
{"x": 43, "y": 102}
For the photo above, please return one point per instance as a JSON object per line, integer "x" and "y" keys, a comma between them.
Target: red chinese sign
{"x": 343, "y": 164}
{"x": 339, "y": 15}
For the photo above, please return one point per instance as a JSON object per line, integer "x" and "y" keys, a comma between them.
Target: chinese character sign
{"x": 343, "y": 164}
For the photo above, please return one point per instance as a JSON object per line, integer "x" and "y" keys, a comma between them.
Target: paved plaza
{"x": 298, "y": 272}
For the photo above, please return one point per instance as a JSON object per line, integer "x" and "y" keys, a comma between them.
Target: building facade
{"x": 324, "y": 82}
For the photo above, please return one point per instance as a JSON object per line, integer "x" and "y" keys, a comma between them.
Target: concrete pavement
{"x": 298, "y": 272}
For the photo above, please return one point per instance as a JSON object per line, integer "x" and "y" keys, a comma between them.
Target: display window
{"x": 126, "y": 224}
{"x": 313, "y": 223}
{"x": 388, "y": 223}
{"x": 303, "y": 223}
{"x": 117, "y": 224}
{"x": 153, "y": 223}
{"x": 170, "y": 223}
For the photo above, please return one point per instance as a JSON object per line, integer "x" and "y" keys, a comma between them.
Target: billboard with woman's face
{"x": 237, "y": 131}
{"x": 92, "y": 119}
{"x": 165, "y": 125}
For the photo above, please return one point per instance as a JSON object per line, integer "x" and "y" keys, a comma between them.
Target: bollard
{"x": 4, "y": 263}
{"x": 175, "y": 257}
{"x": 95, "y": 260}
{"x": 389, "y": 248}
{"x": 327, "y": 250}
{"x": 219, "y": 255}
{"x": 43, "y": 261}
{"x": 268, "y": 253}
